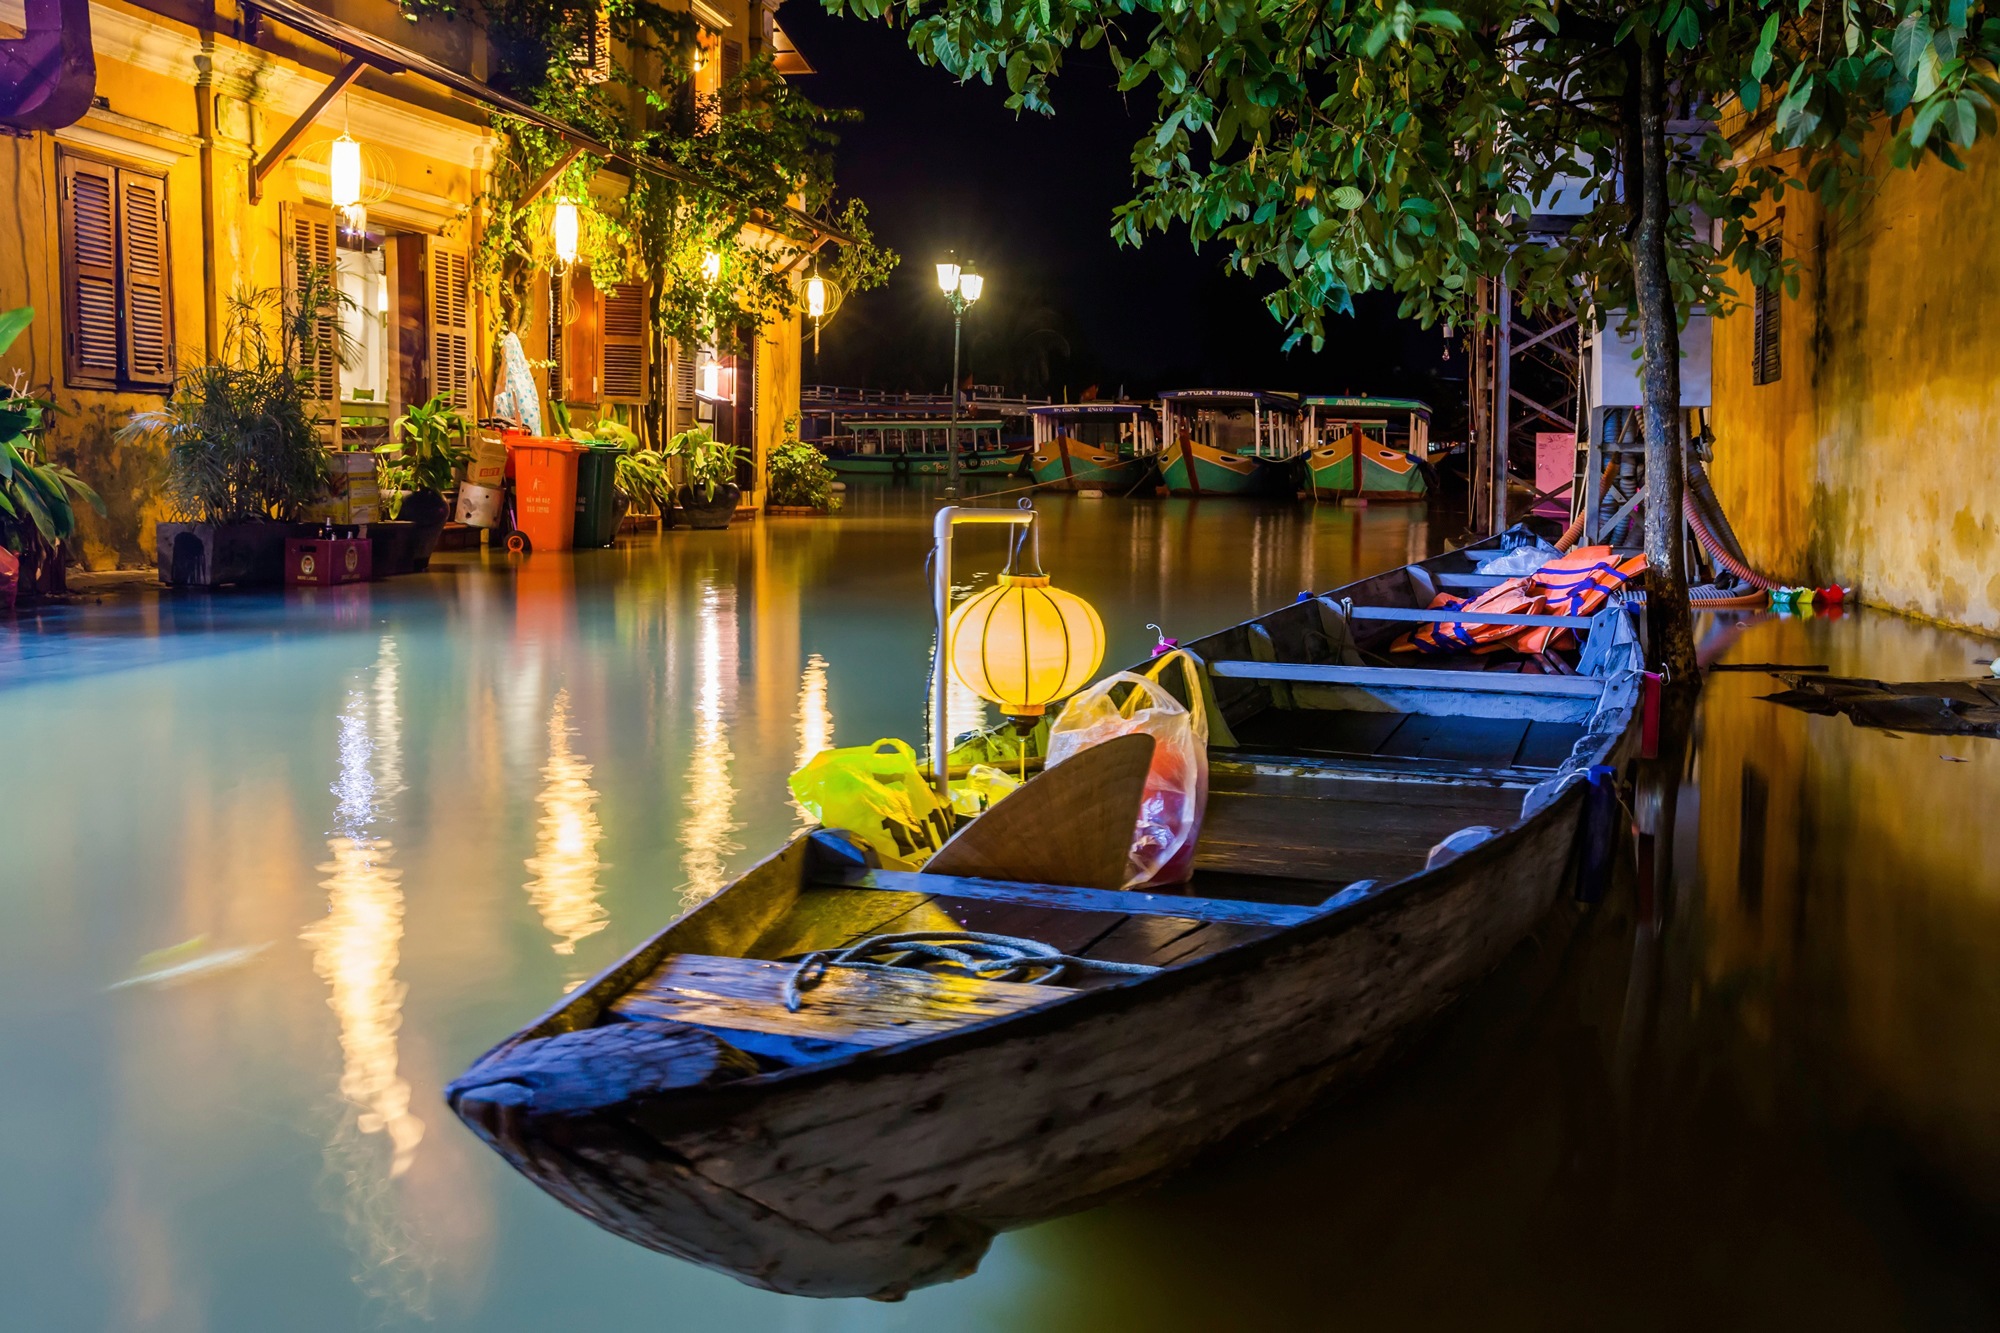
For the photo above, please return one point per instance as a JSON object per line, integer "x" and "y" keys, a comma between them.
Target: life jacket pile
{"x": 1576, "y": 584}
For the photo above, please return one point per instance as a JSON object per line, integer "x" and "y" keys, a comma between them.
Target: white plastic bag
{"x": 1177, "y": 783}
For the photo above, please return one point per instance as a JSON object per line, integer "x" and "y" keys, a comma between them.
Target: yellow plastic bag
{"x": 877, "y": 793}
{"x": 981, "y": 789}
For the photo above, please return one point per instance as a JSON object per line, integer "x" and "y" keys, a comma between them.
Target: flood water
{"x": 275, "y": 868}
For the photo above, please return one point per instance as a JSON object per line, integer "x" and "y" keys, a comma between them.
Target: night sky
{"x": 944, "y": 166}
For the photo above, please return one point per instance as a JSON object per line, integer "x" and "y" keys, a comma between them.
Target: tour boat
{"x": 1377, "y": 839}
{"x": 1352, "y": 447}
{"x": 906, "y": 445}
{"x": 1229, "y": 442}
{"x": 1092, "y": 446}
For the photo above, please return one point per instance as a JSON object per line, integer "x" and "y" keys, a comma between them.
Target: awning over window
{"x": 388, "y": 57}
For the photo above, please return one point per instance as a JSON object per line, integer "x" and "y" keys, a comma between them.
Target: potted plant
{"x": 709, "y": 493}
{"x": 413, "y": 472}
{"x": 242, "y": 460}
{"x": 801, "y": 482}
{"x": 645, "y": 479}
{"x": 37, "y": 513}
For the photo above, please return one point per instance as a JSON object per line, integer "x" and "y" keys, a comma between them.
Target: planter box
{"x": 209, "y": 555}
{"x": 458, "y": 537}
{"x": 796, "y": 510}
{"x": 395, "y": 548}
{"x": 322, "y": 562}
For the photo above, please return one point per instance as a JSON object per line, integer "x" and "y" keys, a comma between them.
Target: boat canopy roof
{"x": 1288, "y": 402}
{"x": 1345, "y": 404}
{"x": 929, "y": 423}
{"x": 1090, "y": 410}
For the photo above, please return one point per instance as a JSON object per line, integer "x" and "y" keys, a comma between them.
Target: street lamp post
{"x": 961, "y": 287}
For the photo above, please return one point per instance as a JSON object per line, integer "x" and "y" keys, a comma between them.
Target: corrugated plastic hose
{"x": 1716, "y": 547}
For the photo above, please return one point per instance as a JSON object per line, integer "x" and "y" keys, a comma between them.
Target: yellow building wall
{"x": 1874, "y": 459}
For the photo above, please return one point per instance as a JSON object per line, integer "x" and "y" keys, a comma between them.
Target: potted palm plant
{"x": 37, "y": 509}
{"x": 241, "y": 458}
{"x": 646, "y": 481}
{"x": 413, "y": 472}
{"x": 709, "y": 493}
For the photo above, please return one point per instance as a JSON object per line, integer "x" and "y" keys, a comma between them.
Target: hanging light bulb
{"x": 344, "y": 173}
{"x": 382, "y": 299}
{"x": 816, "y": 296}
{"x": 565, "y": 228}
{"x": 711, "y": 266}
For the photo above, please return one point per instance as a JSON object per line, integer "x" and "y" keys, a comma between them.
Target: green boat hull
{"x": 1221, "y": 474}
{"x": 998, "y": 462}
{"x": 1386, "y": 474}
{"x": 1083, "y": 475}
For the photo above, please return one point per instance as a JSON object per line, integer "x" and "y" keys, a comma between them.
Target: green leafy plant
{"x": 800, "y": 477}
{"x": 646, "y": 475}
{"x": 238, "y": 430}
{"x": 707, "y": 463}
{"x": 429, "y": 443}
{"x": 37, "y": 499}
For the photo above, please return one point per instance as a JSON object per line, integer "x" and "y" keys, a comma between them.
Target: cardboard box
{"x": 488, "y": 464}
{"x": 352, "y": 497}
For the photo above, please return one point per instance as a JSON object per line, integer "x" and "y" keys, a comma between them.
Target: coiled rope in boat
{"x": 950, "y": 953}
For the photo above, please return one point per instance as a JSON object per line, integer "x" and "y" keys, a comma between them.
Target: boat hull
{"x": 998, "y": 461}
{"x": 1063, "y": 465}
{"x": 1190, "y": 467}
{"x": 1386, "y": 474}
{"x": 892, "y": 1169}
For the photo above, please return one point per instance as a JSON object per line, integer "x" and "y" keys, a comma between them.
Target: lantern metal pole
{"x": 951, "y": 431}
{"x": 941, "y": 527}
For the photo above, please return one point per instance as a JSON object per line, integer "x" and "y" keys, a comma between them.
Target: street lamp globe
{"x": 970, "y": 284}
{"x": 947, "y": 276}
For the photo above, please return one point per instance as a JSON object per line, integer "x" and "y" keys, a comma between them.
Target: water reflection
{"x": 815, "y": 721}
{"x": 355, "y": 951}
{"x": 711, "y": 798}
{"x": 565, "y": 863}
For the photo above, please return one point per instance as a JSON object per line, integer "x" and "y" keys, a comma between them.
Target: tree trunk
{"x": 1659, "y": 334}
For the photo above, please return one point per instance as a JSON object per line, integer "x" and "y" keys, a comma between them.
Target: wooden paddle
{"x": 1072, "y": 824}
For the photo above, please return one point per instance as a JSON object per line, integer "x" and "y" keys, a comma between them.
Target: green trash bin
{"x": 596, "y": 496}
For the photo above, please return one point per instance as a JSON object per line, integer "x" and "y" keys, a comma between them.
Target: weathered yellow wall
{"x": 1874, "y": 460}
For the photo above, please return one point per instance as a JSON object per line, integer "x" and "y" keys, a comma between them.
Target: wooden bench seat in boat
{"x": 852, "y": 1008}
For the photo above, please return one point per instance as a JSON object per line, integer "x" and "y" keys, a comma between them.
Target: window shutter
{"x": 555, "y": 336}
{"x": 683, "y": 390}
{"x": 449, "y": 273}
{"x": 582, "y": 336}
{"x": 732, "y": 66}
{"x": 309, "y": 233}
{"x": 625, "y": 343}
{"x": 1767, "y": 322}
{"x": 142, "y": 227}
{"x": 89, "y": 230}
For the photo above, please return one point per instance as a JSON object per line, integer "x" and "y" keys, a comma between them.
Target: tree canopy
{"x": 1338, "y": 146}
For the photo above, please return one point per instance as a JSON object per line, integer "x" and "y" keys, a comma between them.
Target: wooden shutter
{"x": 450, "y": 280}
{"x": 142, "y": 232}
{"x": 732, "y": 66}
{"x": 625, "y": 343}
{"x": 1767, "y": 322}
{"x": 682, "y": 417}
{"x": 310, "y": 236}
{"x": 582, "y": 338}
{"x": 554, "y": 313}
{"x": 89, "y": 228}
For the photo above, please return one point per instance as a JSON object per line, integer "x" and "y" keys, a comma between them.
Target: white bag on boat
{"x": 1177, "y": 783}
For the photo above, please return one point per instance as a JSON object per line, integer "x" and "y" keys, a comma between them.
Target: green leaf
{"x": 13, "y": 323}
{"x": 1760, "y": 60}
{"x": 1349, "y": 198}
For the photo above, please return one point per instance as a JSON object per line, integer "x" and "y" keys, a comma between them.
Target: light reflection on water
{"x": 1772, "y": 1101}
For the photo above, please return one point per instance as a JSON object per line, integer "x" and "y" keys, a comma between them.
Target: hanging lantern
{"x": 711, "y": 266}
{"x": 565, "y": 230}
{"x": 1023, "y": 643}
{"x": 344, "y": 173}
{"x": 816, "y": 296}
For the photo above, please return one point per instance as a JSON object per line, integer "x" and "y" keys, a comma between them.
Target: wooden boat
{"x": 1229, "y": 442}
{"x": 875, "y": 1138}
{"x": 1092, "y": 446}
{"x": 1368, "y": 448}
{"x": 904, "y": 446}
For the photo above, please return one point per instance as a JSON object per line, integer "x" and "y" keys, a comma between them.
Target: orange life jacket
{"x": 1456, "y": 636}
{"x": 1576, "y": 584}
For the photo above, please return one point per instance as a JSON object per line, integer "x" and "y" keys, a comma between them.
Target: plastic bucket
{"x": 544, "y": 490}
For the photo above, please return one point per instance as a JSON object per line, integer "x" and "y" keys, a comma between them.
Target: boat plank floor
{"x": 853, "y": 1007}
{"x": 1162, "y": 941}
{"x": 1487, "y": 741}
{"x": 1375, "y": 830}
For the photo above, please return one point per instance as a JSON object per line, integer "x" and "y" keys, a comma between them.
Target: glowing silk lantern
{"x": 711, "y": 266}
{"x": 565, "y": 229}
{"x": 947, "y": 274}
{"x": 970, "y": 285}
{"x": 344, "y": 173}
{"x": 1024, "y": 643}
{"x": 816, "y": 296}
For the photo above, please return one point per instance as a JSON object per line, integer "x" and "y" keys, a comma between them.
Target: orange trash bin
{"x": 544, "y": 490}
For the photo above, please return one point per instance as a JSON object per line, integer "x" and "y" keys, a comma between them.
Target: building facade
{"x": 1857, "y": 425}
{"x": 200, "y": 173}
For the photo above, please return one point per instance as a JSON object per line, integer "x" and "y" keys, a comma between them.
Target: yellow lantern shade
{"x": 816, "y": 296}
{"x": 1024, "y": 644}
{"x": 566, "y": 231}
{"x": 344, "y": 173}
